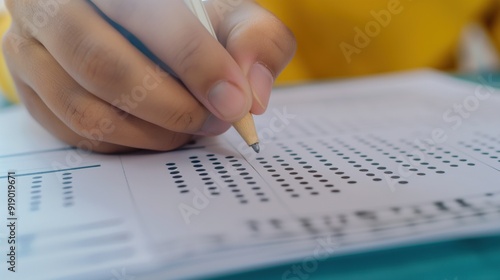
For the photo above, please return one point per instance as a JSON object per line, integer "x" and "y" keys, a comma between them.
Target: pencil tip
{"x": 256, "y": 147}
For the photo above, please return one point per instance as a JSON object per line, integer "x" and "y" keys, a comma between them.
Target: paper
{"x": 347, "y": 166}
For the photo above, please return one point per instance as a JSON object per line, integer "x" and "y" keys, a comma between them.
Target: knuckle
{"x": 13, "y": 6}
{"x": 181, "y": 121}
{"x": 29, "y": 15}
{"x": 83, "y": 119}
{"x": 289, "y": 38}
{"x": 97, "y": 65}
{"x": 188, "y": 57}
{"x": 21, "y": 8}
{"x": 281, "y": 36}
{"x": 7, "y": 46}
{"x": 10, "y": 4}
{"x": 277, "y": 41}
{"x": 13, "y": 44}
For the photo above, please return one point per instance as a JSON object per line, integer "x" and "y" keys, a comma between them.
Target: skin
{"x": 83, "y": 81}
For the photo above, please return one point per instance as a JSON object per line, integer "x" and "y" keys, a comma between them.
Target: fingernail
{"x": 228, "y": 100}
{"x": 262, "y": 82}
{"x": 213, "y": 126}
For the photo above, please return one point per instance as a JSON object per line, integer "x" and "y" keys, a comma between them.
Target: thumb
{"x": 259, "y": 43}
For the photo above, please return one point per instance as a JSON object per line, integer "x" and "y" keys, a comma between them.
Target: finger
{"x": 171, "y": 31}
{"x": 260, "y": 43}
{"x": 84, "y": 113}
{"x": 39, "y": 111}
{"x": 107, "y": 65}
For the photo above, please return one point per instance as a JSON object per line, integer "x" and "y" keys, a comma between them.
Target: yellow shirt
{"x": 348, "y": 38}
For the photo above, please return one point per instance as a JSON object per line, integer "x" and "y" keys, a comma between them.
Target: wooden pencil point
{"x": 246, "y": 128}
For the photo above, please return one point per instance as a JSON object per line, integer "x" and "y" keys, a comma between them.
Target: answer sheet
{"x": 344, "y": 167}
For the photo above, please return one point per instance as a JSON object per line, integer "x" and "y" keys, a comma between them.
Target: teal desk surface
{"x": 473, "y": 258}
{"x": 469, "y": 259}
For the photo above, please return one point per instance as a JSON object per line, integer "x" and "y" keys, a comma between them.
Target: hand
{"x": 86, "y": 83}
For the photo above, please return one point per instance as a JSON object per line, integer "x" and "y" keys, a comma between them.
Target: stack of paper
{"x": 347, "y": 166}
